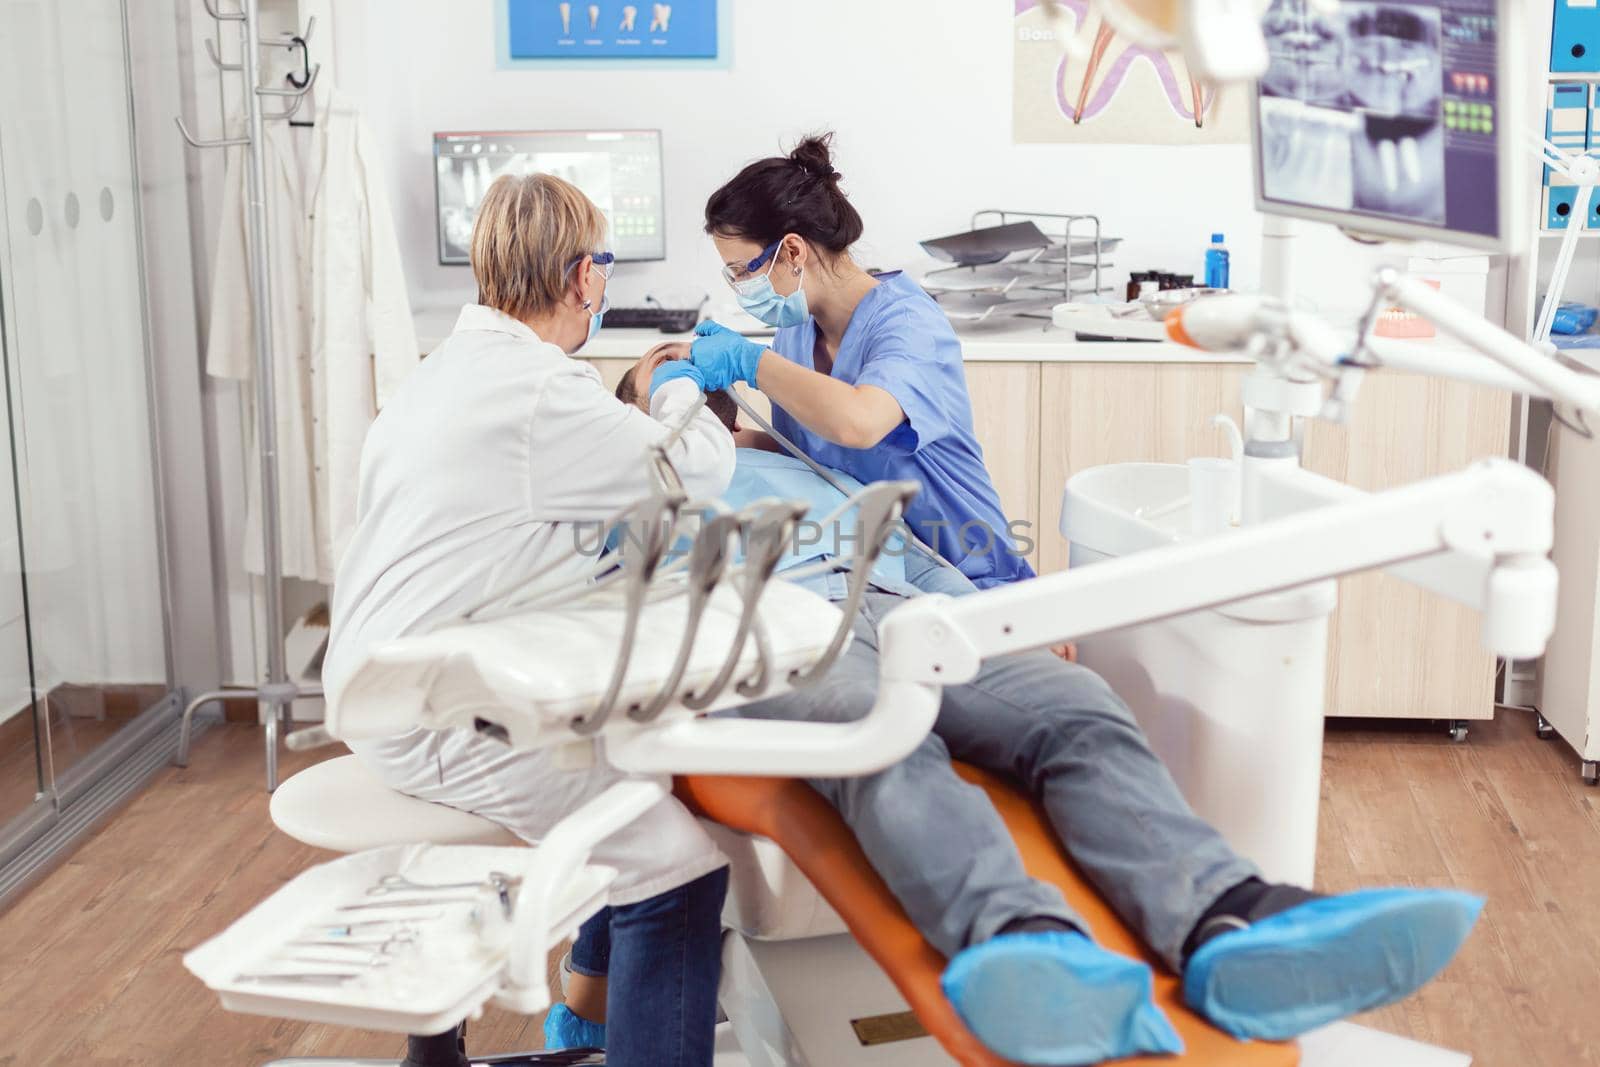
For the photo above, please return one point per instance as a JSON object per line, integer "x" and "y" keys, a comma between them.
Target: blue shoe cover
{"x": 1327, "y": 959}
{"x": 562, "y": 1029}
{"x": 1056, "y": 998}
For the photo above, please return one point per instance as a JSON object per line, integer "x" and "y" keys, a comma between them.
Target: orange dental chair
{"x": 790, "y": 814}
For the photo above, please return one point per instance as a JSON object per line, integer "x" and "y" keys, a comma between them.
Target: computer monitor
{"x": 620, "y": 170}
{"x": 1393, "y": 118}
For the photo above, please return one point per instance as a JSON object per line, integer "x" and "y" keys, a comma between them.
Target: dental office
{"x": 844, "y": 534}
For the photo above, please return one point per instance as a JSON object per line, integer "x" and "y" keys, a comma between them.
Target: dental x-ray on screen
{"x": 620, "y": 170}
{"x": 1384, "y": 117}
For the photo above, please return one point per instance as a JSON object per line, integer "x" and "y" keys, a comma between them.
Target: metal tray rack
{"x": 1030, "y": 282}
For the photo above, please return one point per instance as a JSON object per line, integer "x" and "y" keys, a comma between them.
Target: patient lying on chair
{"x": 1258, "y": 960}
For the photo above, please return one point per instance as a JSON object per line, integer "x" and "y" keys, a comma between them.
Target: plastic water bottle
{"x": 1217, "y": 263}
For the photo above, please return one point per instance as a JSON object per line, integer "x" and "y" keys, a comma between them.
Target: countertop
{"x": 1010, "y": 343}
{"x": 1002, "y": 343}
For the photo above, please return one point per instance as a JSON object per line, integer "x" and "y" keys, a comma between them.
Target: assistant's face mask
{"x": 758, "y": 297}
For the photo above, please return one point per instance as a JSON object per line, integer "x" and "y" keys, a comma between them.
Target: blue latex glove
{"x": 725, "y": 356}
{"x": 673, "y": 369}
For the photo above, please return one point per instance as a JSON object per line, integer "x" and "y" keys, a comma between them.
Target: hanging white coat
{"x": 342, "y": 333}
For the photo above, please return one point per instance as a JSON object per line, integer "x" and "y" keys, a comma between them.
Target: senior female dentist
{"x": 480, "y": 471}
{"x": 865, "y": 372}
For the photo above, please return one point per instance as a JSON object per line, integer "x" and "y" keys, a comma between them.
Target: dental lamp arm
{"x": 1541, "y": 375}
{"x": 1496, "y": 502}
{"x": 900, "y": 718}
{"x": 1298, "y": 345}
{"x": 1461, "y": 575}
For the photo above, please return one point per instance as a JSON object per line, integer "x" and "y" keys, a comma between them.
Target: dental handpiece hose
{"x": 1230, "y": 323}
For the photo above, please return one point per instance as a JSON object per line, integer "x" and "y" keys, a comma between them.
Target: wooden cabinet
{"x": 1005, "y": 417}
{"x": 1396, "y": 651}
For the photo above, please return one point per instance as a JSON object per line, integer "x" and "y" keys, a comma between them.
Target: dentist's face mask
{"x": 757, "y": 296}
{"x": 602, "y": 263}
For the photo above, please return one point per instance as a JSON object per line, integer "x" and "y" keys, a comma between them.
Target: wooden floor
{"x": 90, "y": 971}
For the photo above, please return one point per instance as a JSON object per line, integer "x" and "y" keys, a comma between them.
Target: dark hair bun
{"x": 814, "y": 155}
{"x": 798, "y": 193}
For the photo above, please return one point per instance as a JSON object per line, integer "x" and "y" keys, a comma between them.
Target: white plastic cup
{"x": 1213, "y": 494}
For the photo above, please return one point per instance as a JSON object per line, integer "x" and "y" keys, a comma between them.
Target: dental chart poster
{"x": 610, "y": 32}
{"x": 1108, "y": 90}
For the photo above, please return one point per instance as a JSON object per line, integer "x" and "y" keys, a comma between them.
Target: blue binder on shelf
{"x": 1567, "y": 121}
{"x": 1558, "y": 204}
{"x": 1575, "y": 36}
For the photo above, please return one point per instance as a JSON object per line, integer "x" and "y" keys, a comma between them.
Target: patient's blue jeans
{"x": 663, "y": 958}
{"x": 1059, "y": 731}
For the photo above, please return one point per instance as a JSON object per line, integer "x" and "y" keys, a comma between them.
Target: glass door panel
{"x": 77, "y": 371}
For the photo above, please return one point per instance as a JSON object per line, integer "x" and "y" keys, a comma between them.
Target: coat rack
{"x": 277, "y": 691}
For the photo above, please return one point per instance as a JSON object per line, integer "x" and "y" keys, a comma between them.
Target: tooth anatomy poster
{"x": 1105, "y": 89}
{"x": 611, "y": 30}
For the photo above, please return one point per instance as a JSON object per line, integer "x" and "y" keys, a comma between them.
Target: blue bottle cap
{"x": 1216, "y": 238}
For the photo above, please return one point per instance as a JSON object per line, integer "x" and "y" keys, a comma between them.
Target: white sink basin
{"x": 1126, "y": 507}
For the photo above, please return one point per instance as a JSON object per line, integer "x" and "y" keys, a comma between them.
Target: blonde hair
{"x": 530, "y": 229}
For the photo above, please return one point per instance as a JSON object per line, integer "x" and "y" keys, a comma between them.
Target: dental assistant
{"x": 865, "y": 373}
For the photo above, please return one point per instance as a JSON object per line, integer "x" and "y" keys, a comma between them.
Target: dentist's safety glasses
{"x": 604, "y": 262}
{"x": 738, "y": 276}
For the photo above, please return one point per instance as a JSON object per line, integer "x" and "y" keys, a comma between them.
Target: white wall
{"x": 919, "y": 92}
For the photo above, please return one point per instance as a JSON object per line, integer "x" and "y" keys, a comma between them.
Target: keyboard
{"x": 667, "y": 320}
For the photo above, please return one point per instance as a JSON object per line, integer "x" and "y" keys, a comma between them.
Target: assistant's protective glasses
{"x": 734, "y": 273}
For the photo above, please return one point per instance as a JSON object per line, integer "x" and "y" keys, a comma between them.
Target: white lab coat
{"x": 479, "y": 471}
{"x": 342, "y": 333}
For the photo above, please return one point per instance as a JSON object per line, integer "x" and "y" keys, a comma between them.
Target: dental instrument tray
{"x": 988, "y": 245}
{"x": 1018, "y": 264}
{"x": 408, "y": 939}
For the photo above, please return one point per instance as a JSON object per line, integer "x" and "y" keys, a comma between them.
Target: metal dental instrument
{"x": 756, "y": 684}
{"x": 822, "y": 472}
{"x": 372, "y": 960}
{"x": 770, "y": 532}
{"x": 399, "y": 883}
{"x": 707, "y": 561}
{"x": 349, "y": 929}
{"x": 422, "y": 903}
{"x": 651, "y": 547}
{"x": 381, "y": 946}
{"x": 880, "y": 507}
{"x": 310, "y": 978}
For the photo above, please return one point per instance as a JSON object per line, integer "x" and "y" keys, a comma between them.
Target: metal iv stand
{"x": 278, "y": 691}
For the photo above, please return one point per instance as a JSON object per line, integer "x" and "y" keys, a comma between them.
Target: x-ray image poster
{"x": 611, "y": 29}
{"x": 1384, "y": 109}
{"x": 1112, "y": 91}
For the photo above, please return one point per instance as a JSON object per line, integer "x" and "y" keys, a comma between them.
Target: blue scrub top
{"x": 900, "y": 341}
